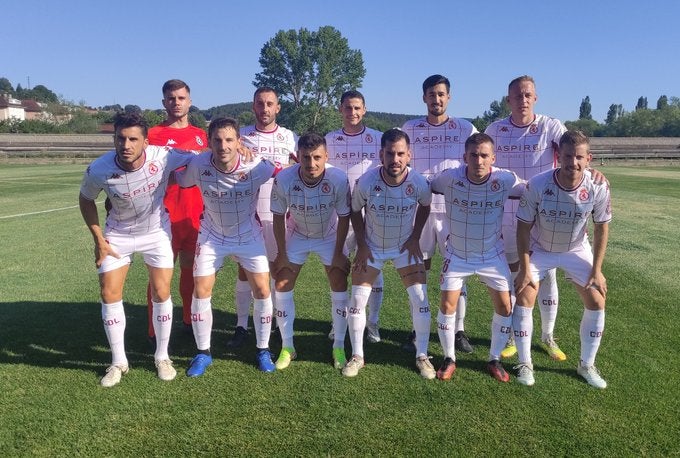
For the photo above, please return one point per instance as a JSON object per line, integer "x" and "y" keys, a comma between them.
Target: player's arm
{"x": 600, "y": 239}
{"x": 340, "y": 260}
{"x": 412, "y": 244}
{"x": 524, "y": 278}
{"x": 363, "y": 254}
{"x": 281, "y": 262}
{"x": 88, "y": 209}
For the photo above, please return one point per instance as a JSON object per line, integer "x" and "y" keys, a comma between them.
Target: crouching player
{"x": 396, "y": 202}
{"x": 229, "y": 227}
{"x": 474, "y": 196}
{"x": 318, "y": 200}
{"x": 557, "y": 205}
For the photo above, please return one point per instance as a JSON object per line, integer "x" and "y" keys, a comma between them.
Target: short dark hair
{"x": 521, "y": 79}
{"x": 477, "y": 139}
{"x": 432, "y": 81}
{"x": 574, "y": 138}
{"x": 262, "y": 89}
{"x": 352, "y": 94}
{"x": 221, "y": 123}
{"x": 311, "y": 141}
{"x": 123, "y": 120}
{"x": 394, "y": 135}
{"x": 173, "y": 85}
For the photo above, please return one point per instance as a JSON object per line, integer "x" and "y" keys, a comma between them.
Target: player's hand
{"x": 523, "y": 280}
{"x": 340, "y": 261}
{"x": 361, "y": 258}
{"x": 281, "y": 262}
{"x": 101, "y": 251}
{"x": 414, "y": 251}
{"x": 598, "y": 177}
{"x": 598, "y": 282}
{"x": 246, "y": 153}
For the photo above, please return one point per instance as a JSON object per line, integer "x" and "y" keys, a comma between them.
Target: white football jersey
{"x": 354, "y": 153}
{"x": 279, "y": 147}
{"x": 526, "y": 150}
{"x": 475, "y": 210}
{"x": 314, "y": 210}
{"x": 436, "y": 148}
{"x": 389, "y": 211}
{"x": 561, "y": 215}
{"x": 136, "y": 197}
{"x": 229, "y": 198}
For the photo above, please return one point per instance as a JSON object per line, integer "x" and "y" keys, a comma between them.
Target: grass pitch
{"x": 53, "y": 351}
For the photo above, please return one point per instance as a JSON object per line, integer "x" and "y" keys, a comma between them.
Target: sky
{"x": 120, "y": 52}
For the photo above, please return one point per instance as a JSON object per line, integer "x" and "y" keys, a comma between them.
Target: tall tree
{"x": 6, "y": 86}
{"x": 614, "y": 113}
{"x": 641, "y": 104}
{"x": 585, "y": 109}
{"x": 311, "y": 70}
{"x": 662, "y": 103}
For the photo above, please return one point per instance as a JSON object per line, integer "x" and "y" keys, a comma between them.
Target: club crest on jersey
{"x": 199, "y": 141}
{"x": 369, "y": 138}
{"x": 452, "y": 124}
{"x": 409, "y": 189}
{"x": 495, "y": 185}
{"x": 583, "y": 194}
{"x": 243, "y": 176}
{"x": 325, "y": 188}
{"x": 533, "y": 129}
{"x": 279, "y": 137}
{"x": 153, "y": 168}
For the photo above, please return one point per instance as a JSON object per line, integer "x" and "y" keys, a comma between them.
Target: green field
{"x": 53, "y": 351}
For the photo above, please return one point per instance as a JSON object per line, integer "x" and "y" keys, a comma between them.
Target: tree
{"x": 614, "y": 113}
{"x": 6, "y": 86}
{"x": 311, "y": 70}
{"x": 586, "y": 108}
{"x": 641, "y": 104}
{"x": 498, "y": 109}
{"x": 662, "y": 103}
{"x": 132, "y": 109}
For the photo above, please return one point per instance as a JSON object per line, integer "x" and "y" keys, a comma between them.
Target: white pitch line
{"x": 18, "y": 215}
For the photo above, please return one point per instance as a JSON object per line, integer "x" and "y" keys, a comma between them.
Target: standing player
{"x": 526, "y": 143}
{"x": 439, "y": 143}
{"x": 474, "y": 195}
{"x": 318, "y": 200}
{"x": 390, "y": 205}
{"x": 276, "y": 144}
{"x": 134, "y": 177}
{"x": 356, "y": 148}
{"x": 558, "y": 203}
{"x": 229, "y": 228}
{"x": 183, "y": 204}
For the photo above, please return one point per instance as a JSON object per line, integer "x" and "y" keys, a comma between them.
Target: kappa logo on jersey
{"x": 377, "y": 188}
{"x": 368, "y": 138}
{"x": 548, "y": 192}
{"x": 421, "y": 125}
{"x": 325, "y": 188}
{"x": 583, "y": 194}
{"x": 243, "y": 176}
{"x": 153, "y": 168}
{"x": 115, "y": 176}
{"x": 505, "y": 129}
{"x": 207, "y": 173}
{"x": 199, "y": 141}
{"x": 252, "y": 134}
{"x": 533, "y": 129}
{"x": 459, "y": 183}
{"x": 339, "y": 138}
{"x": 495, "y": 185}
{"x": 171, "y": 142}
{"x": 297, "y": 188}
{"x": 410, "y": 189}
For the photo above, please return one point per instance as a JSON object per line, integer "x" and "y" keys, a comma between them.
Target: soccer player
{"x": 526, "y": 143}
{"x": 229, "y": 228}
{"x": 474, "y": 195}
{"x": 355, "y": 148}
{"x": 276, "y": 144}
{"x": 558, "y": 203}
{"x": 134, "y": 177}
{"x": 184, "y": 205}
{"x": 438, "y": 143}
{"x": 318, "y": 201}
{"x": 390, "y": 205}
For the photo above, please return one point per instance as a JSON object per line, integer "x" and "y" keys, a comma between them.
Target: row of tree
{"x": 311, "y": 69}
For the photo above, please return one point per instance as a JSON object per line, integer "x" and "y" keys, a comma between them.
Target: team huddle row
{"x": 509, "y": 205}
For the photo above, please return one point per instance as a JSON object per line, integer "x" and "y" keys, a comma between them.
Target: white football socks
{"x": 201, "y": 322}
{"x": 356, "y": 318}
{"x": 113, "y": 317}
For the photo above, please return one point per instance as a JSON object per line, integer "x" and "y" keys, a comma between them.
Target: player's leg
{"x": 414, "y": 280}
{"x": 548, "y": 301}
{"x": 337, "y": 279}
{"x": 243, "y": 299}
{"x": 285, "y": 312}
{"x": 509, "y": 231}
{"x": 356, "y": 316}
{"x": 186, "y": 284}
{"x": 113, "y": 318}
{"x": 501, "y": 324}
{"x": 374, "y": 304}
{"x": 523, "y": 327}
{"x": 451, "y": 283}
